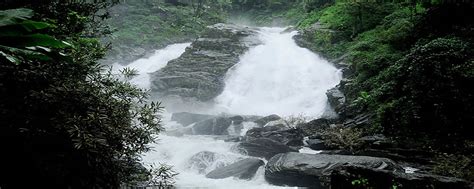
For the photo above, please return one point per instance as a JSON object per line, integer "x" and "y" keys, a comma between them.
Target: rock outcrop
{"x": 243, "y": 169}
{"x": 308, "y": 170}
{"x": 200, "y": 71}
{"x": 263, "y": 147}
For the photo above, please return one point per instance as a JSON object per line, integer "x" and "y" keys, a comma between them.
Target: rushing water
{"x": 277, "y": 77}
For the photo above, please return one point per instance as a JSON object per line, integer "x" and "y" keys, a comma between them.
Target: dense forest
{"x": 68, "y": 122}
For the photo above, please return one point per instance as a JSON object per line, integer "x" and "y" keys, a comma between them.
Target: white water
{"x": 152, "y": 64}
{"x": 275, "y": 77}
{"x": 278, "y": 77}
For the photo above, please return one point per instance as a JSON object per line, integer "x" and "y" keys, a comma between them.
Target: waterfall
{"x": 278, "y": 77}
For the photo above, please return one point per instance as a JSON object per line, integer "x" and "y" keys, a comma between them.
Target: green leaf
{"x": 10, "y": 58}
{"x": 39, "y": 40}
{"x": 14, "y": 16}
{"x": 34, "y": 25}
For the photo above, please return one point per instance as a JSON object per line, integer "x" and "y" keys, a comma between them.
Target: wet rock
{"x": 378, "y": 178}
{"x": 264, "y": 120}
{"x": 316, "y": 144}
{"x": 278, "y": 123}
{"x": 199, "y": 72}
{"x": 214, "y": 126}
{"x": 336, "y": 99}
{"x": 186, "y": 118}
{"x": 290, "y": 137}
{"x": 263, "y": 147}
{"x": 314, "y": 170}
{"x": 237, "y": 119}
{"x": 243, "y": 169}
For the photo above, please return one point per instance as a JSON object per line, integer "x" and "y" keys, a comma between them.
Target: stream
{"x": 275, "y": 77}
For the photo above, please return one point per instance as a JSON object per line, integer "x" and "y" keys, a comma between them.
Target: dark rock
{"x": 343, "y": 176}
{"x": 336, "y": 98}
{"x": 263, "y": 147}
{"x": 264, "y": 120}
{"x": 314, "y": 170}
{"x": 237, "y": 120}
{"x": 360, "y": 120}
{"x": 316, "y": 144}
{"x": 202, "y": 160}
{"x": 215, "y": 126}
{"x": 376, "y": 141}
{"x": 186, "y": 118}
{"x": 199, "y": 72}
{"x": 315, "y": 127}
{"x": 243, "y": 169}
{"x": 290, "y": 137}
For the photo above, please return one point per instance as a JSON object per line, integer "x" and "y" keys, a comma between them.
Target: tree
{"x": 66, "y": 122}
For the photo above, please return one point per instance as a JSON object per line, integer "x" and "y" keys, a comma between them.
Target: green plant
{"x": 341, "y": 137}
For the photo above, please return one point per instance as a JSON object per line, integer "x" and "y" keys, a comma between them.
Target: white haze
{"x": 278, "y": 77}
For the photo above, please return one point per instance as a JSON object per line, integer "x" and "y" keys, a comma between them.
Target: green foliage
{"x": 67, "y": 123}
{"x": 343, "y": 138}
{"x": 20, "y": 41}
{"x": 429, "y": 92}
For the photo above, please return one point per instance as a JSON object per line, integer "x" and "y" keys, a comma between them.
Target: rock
{"x": 203, "y": 160}
{"x": 343, "y": 176}
{"x": 199, "y": 72}
{"x": 316, "y": 144}
{"x": 314, "y": 170}
{"x": 315, "y": 127}
{"x": 290, "y": 137}
{"x": 264, "y": 120}
{"x": 336, "y": 98}
{"x": 243, "y": 169}
{"x": 237, "y": 120}
{"x": 214, "y": 126}
{"x": 360, "y": 120}
{"x": 376, "y": 141}
{"x": 263, "y": 147}
{"x": 186, "y": 118}
{"x": 277, "y": 123}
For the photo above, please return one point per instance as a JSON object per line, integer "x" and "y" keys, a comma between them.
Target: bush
{"x": 344, "y": 138}
{"x": 430, "y": 93}
{"x": 68, "y": 122}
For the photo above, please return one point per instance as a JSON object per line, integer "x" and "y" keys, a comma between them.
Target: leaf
{"x": 39, "y": 40}
{"x": 10, "y": 58}
{"x": 34, "y": 25}
{"x": 13, "y": 16}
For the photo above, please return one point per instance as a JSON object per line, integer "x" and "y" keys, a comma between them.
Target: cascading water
{"x": 277, "y": 77}
{"x": 154, "y": 63}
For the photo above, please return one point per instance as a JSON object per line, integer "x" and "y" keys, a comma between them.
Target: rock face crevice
{"x": 199, "y": 73}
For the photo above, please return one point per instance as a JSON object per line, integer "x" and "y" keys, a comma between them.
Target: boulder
{"x": 316, "y": 144}
{"x": 186, "y": 118}
{"x": 264, "y": 120}
{"x": 344, "y": 176}
{"x": 314, "y": 170}
{"x": 336, "y": 98}
{"x": 243, "y": 169}
{"x": 263, "y": 147}
{"x": 237, "y": 120}
{"x": 278, "y": 123}
{"x": 290, "y": 137}
{"x": 214, "y": 126}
